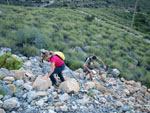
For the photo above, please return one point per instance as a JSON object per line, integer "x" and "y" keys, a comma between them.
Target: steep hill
{"x": 77, "y": 34}
{"x": 25, "y": 91}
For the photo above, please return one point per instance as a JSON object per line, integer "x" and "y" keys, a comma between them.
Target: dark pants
{"x": 88, "y": 70}
{"x": 58, "y": 70}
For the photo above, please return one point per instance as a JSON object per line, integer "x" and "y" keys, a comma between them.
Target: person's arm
{"x": 86, "y": 67}
{"x": 52, "y": 70}
{"x": 101, "y": 61}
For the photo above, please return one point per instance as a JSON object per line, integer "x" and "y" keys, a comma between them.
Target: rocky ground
{"x": 27, "y": 92}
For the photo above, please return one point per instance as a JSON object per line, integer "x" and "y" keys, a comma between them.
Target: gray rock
{"x": 3, "y": 73}
{"x": 83, "y": 101}
{"x": 103, "y": 100}
{"x": 28, "y": 87}
{"x": 40, "y": 103}
{"x": 5, "y": 49}
{"x": 11, "y": 103}
{"x": 57, "y": 109}
{"x": 68, "y": 72}
{"x": 1, "y": 103}
{"x": 19, "y": 83}
{"x": 31, "y": 96}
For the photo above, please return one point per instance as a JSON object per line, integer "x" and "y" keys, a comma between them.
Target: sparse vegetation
{"x": 26, "y": 30}
{"x": 9, "y": 62}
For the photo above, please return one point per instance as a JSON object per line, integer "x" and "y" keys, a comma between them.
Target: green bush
{"x": 89, "y": 17}
{"x": 2, "y": 92}
{"x": 29, "y": 50}
{"x": 9, "y": 62}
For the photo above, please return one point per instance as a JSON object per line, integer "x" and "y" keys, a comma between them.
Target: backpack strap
{"x": 88, "y": 58}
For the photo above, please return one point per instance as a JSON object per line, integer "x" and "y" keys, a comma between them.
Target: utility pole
{"x": 133, "y": 17}
{"x": 7, "y": 2}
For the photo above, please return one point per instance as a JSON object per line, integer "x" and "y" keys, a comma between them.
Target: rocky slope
{"x": 26, "y": 92}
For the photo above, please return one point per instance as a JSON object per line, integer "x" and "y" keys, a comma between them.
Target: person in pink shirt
{"x": 57, "y": 66}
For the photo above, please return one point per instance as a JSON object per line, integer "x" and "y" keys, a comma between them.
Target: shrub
{"x": 2, "y": 92}
{"x": 28, "y": 50}
{"x": 9, "y": 62}
{"x": 89, "y": 17}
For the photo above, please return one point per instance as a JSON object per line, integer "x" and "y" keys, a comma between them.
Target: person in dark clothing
{"x": 90, "y": 65}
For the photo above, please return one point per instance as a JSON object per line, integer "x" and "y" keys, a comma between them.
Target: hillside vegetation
{"x": 26, "y": 30}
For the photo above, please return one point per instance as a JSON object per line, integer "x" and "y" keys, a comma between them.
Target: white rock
{"x": 11, "y": 103}
{"x": 70, "y": 86}
{"x": 41, "y": 84}
{"x": 51, "y": 111}
{"x": 41, "y": 93}
{"x": 116, "y": 72}
{"x": 11, "y": 79}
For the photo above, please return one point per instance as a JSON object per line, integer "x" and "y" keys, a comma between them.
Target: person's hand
{"x": 45, "y": 77}
{"x": 105, "y": 67}
{"x": 90, "y": 70}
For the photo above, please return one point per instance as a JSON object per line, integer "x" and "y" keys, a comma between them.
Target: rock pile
{"x": 24, "y": 91}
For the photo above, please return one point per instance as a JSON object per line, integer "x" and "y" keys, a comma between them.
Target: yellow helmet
{"x": 60, "y": 54}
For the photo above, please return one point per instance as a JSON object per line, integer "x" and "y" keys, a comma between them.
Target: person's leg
{"x": 53, "y": 79}
{"x": 60, "y": 72}
{"x": 61, "y": 76}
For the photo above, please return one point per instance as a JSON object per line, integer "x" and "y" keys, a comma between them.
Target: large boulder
{"x": 19, "y": 74}
{"x": 131, "y": 82}
{"x": 3, "y": 73}
{"x": 41, "y": 84}
{"x": 71, "y": 86}
{"x": 115, "y": 72}
{"x": 2, "y": 111}
{"x": 11, "y": 103}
